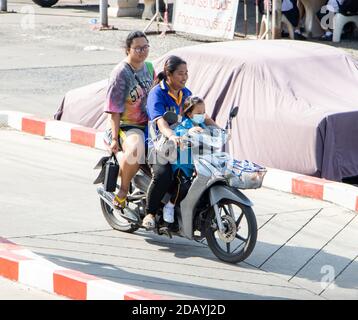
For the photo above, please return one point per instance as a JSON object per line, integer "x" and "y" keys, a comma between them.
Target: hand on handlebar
{"x": 181, "y": 142}
{"x": 195, "y": 130}
{"x": 175, "y": 139}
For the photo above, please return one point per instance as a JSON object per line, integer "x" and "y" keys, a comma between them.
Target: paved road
{"x": 50, "y": 51}
{"x": 49, "y": 205}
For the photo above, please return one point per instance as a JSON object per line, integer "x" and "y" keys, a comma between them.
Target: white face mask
{"x": 199, "y": 118}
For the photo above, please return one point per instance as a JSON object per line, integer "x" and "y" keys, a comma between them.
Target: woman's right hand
{"x": 114, "y": 146}
{"x": 175, "y": 139}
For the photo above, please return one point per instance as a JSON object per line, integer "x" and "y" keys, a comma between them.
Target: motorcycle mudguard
{"x": 100, "y": 165}
{"x": 219, "y": 192}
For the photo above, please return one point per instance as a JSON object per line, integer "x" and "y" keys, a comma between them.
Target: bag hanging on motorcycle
{"x": 245, "y": 174}
{"x": 111, "y": 174}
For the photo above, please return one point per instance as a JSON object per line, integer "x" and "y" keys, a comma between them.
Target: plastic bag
{"x": 244, "y": 174}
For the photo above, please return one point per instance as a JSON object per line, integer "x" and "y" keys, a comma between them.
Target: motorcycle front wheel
{"x": 237, "y": 241}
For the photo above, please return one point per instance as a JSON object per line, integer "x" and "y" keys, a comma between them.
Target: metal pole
{"x": 149, "y": 23}
{"x": 103, "y": 9}
{"x": 257, "y": 18}
{"x": 245, "y": 18}
{"x": 3, "y": 5}
{"x": 268, "y": 26}
{"x": 155, "y": 17}
{"x": 157, "y": 12}
{"x": 166, "y": 19}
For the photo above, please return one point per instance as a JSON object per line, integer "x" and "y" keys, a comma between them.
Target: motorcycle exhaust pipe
{"x": 108, "y": 198}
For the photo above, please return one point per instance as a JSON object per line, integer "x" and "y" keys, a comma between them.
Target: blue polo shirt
{"x": 159, "y": 101}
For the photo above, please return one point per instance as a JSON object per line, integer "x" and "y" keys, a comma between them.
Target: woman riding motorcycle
{"x": 169, "y": 94}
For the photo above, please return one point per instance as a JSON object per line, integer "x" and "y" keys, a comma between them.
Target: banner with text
{"x": 213, "y": 18}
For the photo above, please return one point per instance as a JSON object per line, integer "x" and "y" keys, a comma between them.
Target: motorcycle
{"x": 213, "y": 209}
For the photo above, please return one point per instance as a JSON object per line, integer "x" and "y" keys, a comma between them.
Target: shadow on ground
{"x": 187, "y": 249}
{"x": 116, "y": 274}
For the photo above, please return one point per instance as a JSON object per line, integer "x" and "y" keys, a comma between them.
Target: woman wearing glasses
{"x": 169, "y": 94}
{"x": 126, "y": 100}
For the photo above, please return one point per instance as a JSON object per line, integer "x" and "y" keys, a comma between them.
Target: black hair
{"x": 133, "y": 35}
{"x": 171, "y": 64}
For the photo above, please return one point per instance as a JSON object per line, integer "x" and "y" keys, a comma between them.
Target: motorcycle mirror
{"x": 170, "y": 117}
{"x": 233, "y": 112}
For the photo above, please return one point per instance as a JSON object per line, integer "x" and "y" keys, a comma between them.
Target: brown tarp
{"x": 298, "y": 102}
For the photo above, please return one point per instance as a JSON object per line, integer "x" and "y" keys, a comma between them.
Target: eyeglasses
{"x": 141, "y": 49}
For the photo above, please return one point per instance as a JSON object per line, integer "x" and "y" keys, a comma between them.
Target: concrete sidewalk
{"x": 306, "y": 249}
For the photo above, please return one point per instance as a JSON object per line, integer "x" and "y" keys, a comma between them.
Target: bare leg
{"x": 301, "y": 10}
{"x": 133, "y": 156}
{"x": 262, "y": 27}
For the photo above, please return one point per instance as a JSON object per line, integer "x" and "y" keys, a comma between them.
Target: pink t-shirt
{"x": 127, "y": 94}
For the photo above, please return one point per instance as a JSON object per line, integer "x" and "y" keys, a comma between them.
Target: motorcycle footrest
{"x": 165, "y": 230}
{"x": 129, "y": 215}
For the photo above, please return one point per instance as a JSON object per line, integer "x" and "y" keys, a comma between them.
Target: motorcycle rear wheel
{"x": 115, "y": 221}
{"x": 245, "y": 241}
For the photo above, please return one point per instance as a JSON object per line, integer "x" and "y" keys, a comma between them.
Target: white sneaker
{"x": 168, "y": 212}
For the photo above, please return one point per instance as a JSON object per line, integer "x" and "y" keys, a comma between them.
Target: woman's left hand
{"x": 196, "y": 130}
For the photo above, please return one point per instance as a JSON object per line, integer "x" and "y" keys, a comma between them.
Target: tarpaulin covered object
{"x": 298, "y": 102}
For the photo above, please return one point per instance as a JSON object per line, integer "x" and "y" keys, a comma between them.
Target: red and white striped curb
{"x": 52, "y": 128}
{"x": 338, "y": 193}
{"x": 335, "y": 192}
{"x": 24, "y": 266}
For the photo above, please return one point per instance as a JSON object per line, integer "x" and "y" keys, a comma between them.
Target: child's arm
{"x": 210, "y": 122}
{"x": 180, "y": 130}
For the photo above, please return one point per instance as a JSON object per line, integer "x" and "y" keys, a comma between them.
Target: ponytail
{"x": 161, "y": 76}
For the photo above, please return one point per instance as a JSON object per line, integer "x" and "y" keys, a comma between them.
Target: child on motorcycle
{"x": 193, "y": 121}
